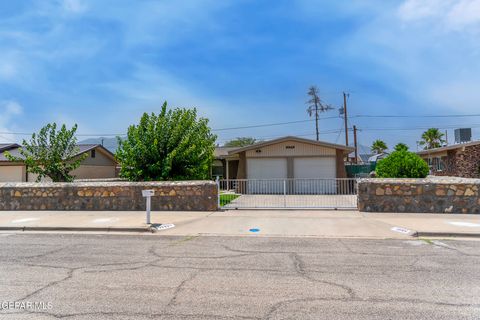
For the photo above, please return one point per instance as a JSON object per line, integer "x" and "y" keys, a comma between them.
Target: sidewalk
{"x": 280, "y": 223}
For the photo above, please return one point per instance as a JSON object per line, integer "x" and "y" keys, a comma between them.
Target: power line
{"x": 279, "y": 136}
{"x": 271, "y": 124}
{"x": 416, "y": 116}
{"x": 419, "y": 128}
{"x": 296, "y": 122}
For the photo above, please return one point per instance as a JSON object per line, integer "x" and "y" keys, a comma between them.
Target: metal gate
{"x": 288, "y": 193}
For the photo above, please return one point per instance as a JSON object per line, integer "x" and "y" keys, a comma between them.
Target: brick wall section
{"x": 99, "y": 196}
{"x": 431, "y": 195}
{"x": 465, "y": 164}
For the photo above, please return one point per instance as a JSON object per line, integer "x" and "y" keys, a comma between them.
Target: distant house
{"x": 99, "y": 164}
{"x": 377, "y": 157}
{"x": 459, "y": 160}
{"x": 287, "y": 157}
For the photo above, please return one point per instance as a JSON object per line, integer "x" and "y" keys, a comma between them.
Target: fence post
{"x": 217, "y": 180}
{"x": 284, "y": 193}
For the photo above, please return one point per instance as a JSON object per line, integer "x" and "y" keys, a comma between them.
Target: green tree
{"x": 402, "y": 164}
{"x": 173, "y": 145}
{"x": 401, "y": 146}
{"x": 378, "y": 146}
{"x": 432, "y": 138}
{"x": 51, "y": 153}
{"x": 241, "y": 142}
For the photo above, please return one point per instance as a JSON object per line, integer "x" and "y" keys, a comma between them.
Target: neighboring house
{"x": 377, "y": 157}
{"x": 99, "y": 164}
{"x": 287, "y": 157}
{"x": 219, "y": 167}
{"x": 459, "y": 160}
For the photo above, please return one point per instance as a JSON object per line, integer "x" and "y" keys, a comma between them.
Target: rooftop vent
{"x": 463, "y": 135}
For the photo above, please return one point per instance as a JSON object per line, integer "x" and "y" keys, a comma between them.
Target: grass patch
{"x": 226, "y": 198}
{"x": 427, "y": 240}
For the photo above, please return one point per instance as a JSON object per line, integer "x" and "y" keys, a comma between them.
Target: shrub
{"x": 402, "y": 164}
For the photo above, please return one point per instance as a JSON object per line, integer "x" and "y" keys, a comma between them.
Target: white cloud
{"x": 8, "y": 110}
{"x": 12, "y": 108}
{"x": 464, "y": 13}
{"x": 74, "y": 6}
{"x": 421, "y": 9}
{"x": 452, "y": 15}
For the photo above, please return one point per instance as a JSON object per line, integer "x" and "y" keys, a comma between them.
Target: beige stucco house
{"x": 284, "y": 158}
{"x": 99, "y": 164}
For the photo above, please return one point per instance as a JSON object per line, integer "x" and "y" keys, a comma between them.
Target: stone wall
{"x": 122, "y": 196}
{"x": 431, "y": 195}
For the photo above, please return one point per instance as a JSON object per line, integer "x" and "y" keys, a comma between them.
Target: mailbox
{"x": 148, "y": 193}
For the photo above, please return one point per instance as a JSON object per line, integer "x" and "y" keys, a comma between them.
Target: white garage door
{"x": 262, "y": 175}
{"x": 11, "y": 174}
{"x": 315, "y": 175}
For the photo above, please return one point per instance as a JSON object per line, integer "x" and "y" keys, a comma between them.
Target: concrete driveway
{"x": 294, "y": 201}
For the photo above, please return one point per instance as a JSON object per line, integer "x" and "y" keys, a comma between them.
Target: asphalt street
{"x": 76, "y": 276}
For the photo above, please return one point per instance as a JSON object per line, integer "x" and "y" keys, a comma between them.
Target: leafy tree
{"x": 379, "y": 146}
{"x": 401, "y": 146}
{"x": 51, "y": 153}
{"x": 241, "y": 142}
{"x": 402, "y": 164}
{"x": 173, "y": 145}
{"x": 432, "y": 138}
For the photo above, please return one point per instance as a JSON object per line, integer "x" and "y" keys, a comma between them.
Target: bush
{"x": 402, "y": 164}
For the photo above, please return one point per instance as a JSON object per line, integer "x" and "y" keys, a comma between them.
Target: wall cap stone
{"x": 427, "y": 180}
{"x": 87, "y": 184}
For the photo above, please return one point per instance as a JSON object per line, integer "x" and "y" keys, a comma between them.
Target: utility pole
{"x": 316, "y": 120}
{"x": 345, "y": 115}
{"x": 355, "y": 143}
{"x": 446, "y": 137}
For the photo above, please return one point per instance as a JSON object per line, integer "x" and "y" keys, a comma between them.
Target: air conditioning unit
{"x": 463, "y": 135}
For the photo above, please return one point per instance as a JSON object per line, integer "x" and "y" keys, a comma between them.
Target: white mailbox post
{"x": 148, "y": 195}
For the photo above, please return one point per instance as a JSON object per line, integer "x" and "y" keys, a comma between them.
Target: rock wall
{"x": 122, "y": 196}
{"x": 431, "y": 195}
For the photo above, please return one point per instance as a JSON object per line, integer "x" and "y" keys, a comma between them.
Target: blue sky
{"x": 102, "y": 63}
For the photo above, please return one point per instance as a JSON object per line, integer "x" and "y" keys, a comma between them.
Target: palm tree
{"x": 432, "y": 138}
{"x": 378, "y": 146}
{"x": 316, "y": 106}
{"x": 401, "y": 147}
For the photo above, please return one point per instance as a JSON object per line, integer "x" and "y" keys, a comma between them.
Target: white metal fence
{"x": 288, "y": 193}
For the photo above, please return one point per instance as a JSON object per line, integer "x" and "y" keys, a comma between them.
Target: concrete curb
{"x": 85, "y": 229}
{"x": 446, "y": 234}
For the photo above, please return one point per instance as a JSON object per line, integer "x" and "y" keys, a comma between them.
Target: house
{"x": 459, "y": 160}
{"x": 100, "y": 163}
{"x": 284, "y": 158}
{"x": 377, "y": 157}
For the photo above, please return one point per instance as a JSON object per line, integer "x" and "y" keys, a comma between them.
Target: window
{"x": 436, "y": 164}
{"x": 92, "y": 153}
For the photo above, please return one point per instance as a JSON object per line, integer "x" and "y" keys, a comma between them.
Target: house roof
{"x": 376, "y": 157}
{"x": 222, "y": 152}
{"x": 451, "y": 147}
{"x": 7, "y": 146}
{"x": 14, "y": 150}
{"x": 292, "y": 138}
